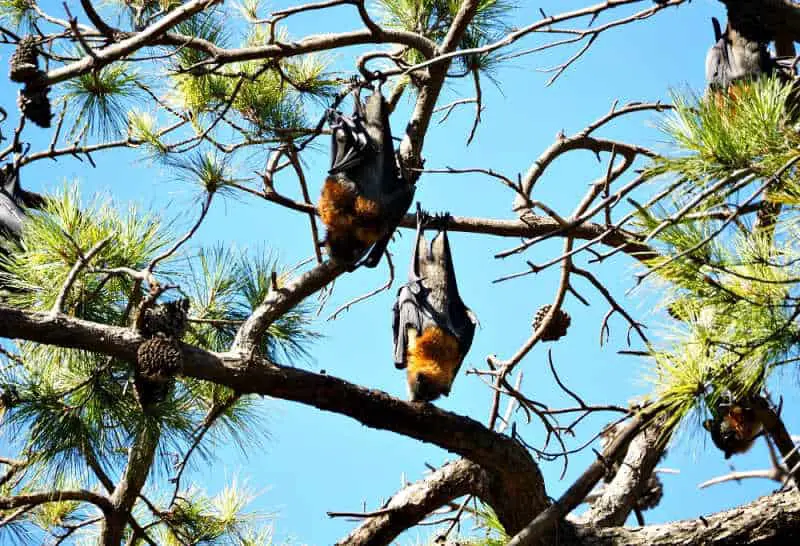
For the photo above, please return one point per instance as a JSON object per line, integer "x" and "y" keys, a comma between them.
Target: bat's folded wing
{"x": 406, "y": 315}
{"x": 350, "y": 142}
{"x": 10, "y": 217}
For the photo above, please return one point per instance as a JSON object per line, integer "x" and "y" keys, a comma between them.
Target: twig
{"x": 385, "y": 286}
{"x": 82, "y": 261}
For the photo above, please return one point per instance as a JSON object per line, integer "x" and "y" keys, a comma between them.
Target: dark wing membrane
{"x": 465, "y": 330}
{"x": 378, "y": 178}
{"x": 406, "y": 315}
{"x": 349, "y": 142}
{"x": 718, "y": 68}
{"x": 11, "y": 214}
{"x": 395, "y": 212}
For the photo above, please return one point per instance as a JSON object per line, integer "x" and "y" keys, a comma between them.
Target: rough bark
{"x": 773, "y": 519}
{"x": 140, "y": 459}
{"x": 497, "y": 453}
{"x": 411, "y": 504}
{"x": 620, "y": 496}
{"x": 543, "y": 529}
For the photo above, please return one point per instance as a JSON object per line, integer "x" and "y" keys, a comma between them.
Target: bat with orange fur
{"x": 433, "y": 329}
{"x": 364, "y": 197}
{"x": 734, "y": 427}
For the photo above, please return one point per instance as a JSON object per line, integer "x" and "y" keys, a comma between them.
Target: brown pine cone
{"x": 24, "y": 64}
{"x": 557, "y": 327}
{"x": 158, "y": 359}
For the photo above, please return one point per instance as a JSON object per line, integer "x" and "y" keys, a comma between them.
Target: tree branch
{"x": 466, "y": 437}
{"x": 773, "y": 519}
{"x": 33, "y": 499}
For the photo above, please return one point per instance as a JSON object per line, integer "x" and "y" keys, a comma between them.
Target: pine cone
{"x": 168, "y": 318}
{"x": 557, "y": 327}
{"x": 24, "y": 62}
{"x": 159, "y": 358}
{"x": 652, "y": 494}
{"x": 33, "y": 102}
{"x": 157, "y": 361}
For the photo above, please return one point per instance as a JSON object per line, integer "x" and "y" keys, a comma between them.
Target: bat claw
{"x": 423, "y": 218}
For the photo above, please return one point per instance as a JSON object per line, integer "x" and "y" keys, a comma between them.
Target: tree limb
{"x": 466, "y": 437}
{"x": 773, "y": 519}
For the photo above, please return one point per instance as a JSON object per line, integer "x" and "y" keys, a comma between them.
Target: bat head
{"x": 423, "y": 388}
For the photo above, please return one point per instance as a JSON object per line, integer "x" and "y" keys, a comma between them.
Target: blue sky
{"x": 314, "y": 462}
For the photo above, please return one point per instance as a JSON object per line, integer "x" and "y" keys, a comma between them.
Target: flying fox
{"x": 13, "y": 201}
{"x": 433, "y": 329}
{"x": 734, "y": 427}
{"x": 364, "y": 197}
{"x": 733, "y": 58}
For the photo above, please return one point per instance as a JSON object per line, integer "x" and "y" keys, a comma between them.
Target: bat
{"x": 733, "y": 57}
{"x": 433, "y": 329}
{"x": 364, "y": 197}
{"x": 13, "y": 200}
{"x": 733, "y": 428}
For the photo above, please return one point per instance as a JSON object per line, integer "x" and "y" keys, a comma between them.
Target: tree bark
{"x": 413, "y": 503}
{"x": 620, "y": 496}
{"x": 773, "y": 519}
{"x": 517, "y": 475}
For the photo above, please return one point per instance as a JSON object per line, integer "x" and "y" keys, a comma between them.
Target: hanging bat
{"x": 13, "y": 199}
{"x": 433, "y": 329}
{"x": 364, "y": 197}
{"x": 733, "y": 428}
{"x": 735, "y": 58}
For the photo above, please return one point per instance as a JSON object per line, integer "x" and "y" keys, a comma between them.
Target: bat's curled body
{"x": 433, "y": 329}
{"x": 734, "y": 428}
{"x": 364, "y": 196}
{"x": 353, "y": 221}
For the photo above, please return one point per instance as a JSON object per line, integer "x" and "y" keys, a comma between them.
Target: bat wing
{"x": 395, "y": 213}
{"x": 349, "y": 141}
{"x": 718, "y": 65}
{"x": 11, "y": 214}
{"x": 406, "y": 315}
{"x": 461, "y": 318}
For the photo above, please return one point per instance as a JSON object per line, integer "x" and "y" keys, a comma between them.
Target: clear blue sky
{"x": 313, "y": 462}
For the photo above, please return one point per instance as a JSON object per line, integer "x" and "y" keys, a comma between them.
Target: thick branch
{"x": 461, "y": 435}
{"x": 541, "y": 528}
{"x": 33, "y": 499}
{"x": 127, "y": 46}
{"x": 281, "y": 300}
{"x": 620, "y": 496}
{"x": 773, "y": 519}
{"x": 532, "y": 225}
{"x": 411, "y": 504}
